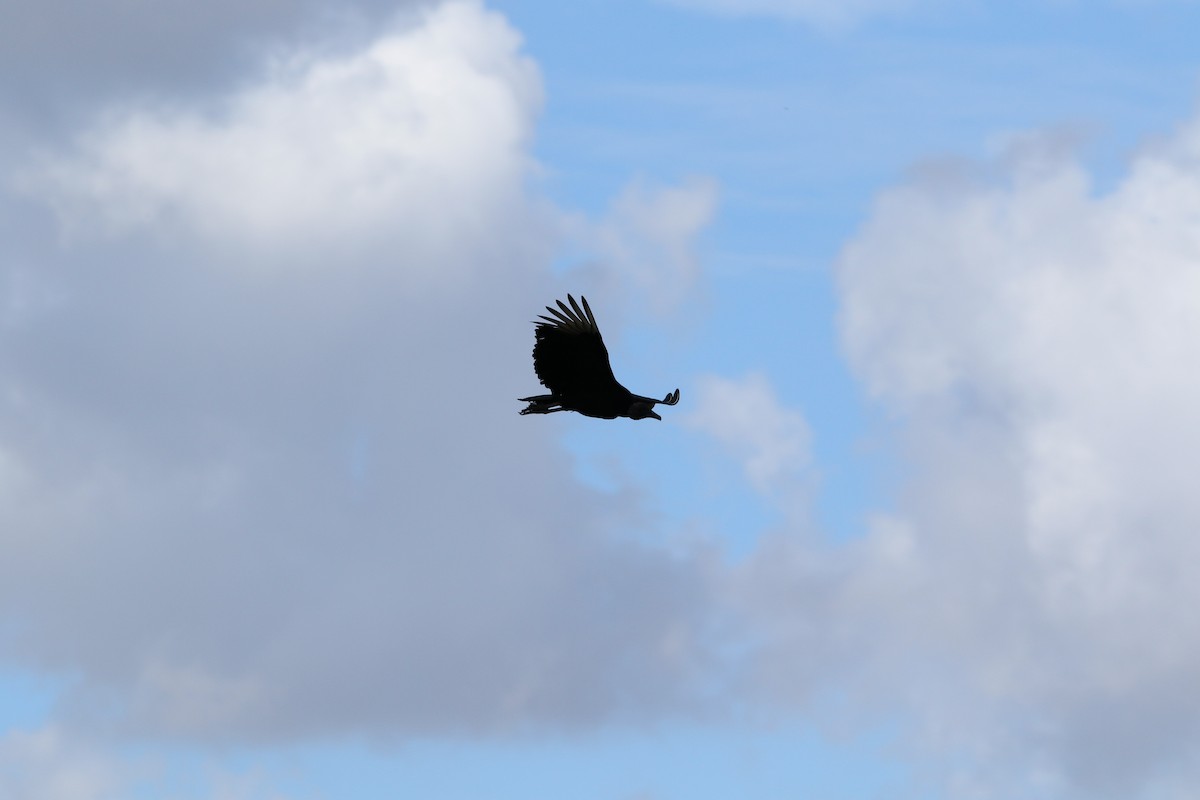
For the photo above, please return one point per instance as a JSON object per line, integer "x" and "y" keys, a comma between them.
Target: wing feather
{"x": 591, "y": 317}
{"x": 569, "y": 355}
{"x": 558, "y": 316}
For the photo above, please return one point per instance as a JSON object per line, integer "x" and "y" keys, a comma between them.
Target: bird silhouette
{"x": 570, "y": 360}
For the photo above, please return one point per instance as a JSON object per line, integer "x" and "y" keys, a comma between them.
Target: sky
{"x": 927, "y": 276}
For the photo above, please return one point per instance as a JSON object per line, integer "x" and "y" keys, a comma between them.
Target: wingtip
{"x": 588, "y": 309}
{"x": 572, "y": 316}
{"x": 578, "y": 311}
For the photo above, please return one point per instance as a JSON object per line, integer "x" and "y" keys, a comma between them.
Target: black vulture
{"x": 570, "y": 360}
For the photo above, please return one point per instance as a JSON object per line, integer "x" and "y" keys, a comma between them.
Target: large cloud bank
{"x": 1030, "y": 603}
{"x": 261, "y": 467}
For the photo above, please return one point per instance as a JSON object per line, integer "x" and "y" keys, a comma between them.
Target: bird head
{"x": 642, "y": 410}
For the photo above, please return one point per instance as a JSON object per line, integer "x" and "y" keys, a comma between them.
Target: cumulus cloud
{"x": 1028, "y": 600}
{"x": 246, "y": 500}
{"x": 423, "y": 130}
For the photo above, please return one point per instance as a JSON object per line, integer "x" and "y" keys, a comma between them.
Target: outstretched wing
{"x": 569, "y": 355}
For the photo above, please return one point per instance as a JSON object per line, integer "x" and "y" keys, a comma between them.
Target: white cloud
{"x": 645, "y": 246}
{"x": 1029, "y": 599}
{"x": 423, "y": 131}
{"x": 745, "y": 416}
{"x": 257, "y": 502}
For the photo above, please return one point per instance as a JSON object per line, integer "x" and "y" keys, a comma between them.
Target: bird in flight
{"x": 570, "y": 360}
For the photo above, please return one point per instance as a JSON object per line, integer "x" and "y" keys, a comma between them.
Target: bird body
{"x": 570, "y": 360}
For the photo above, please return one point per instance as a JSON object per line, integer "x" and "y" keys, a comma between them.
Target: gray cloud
{"x": 325, "y": 148}
{"x": 74, "y": 51}
{"x": 267, "y": 481}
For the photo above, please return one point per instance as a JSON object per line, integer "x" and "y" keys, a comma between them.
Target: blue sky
{"x": 926, "y": 274}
